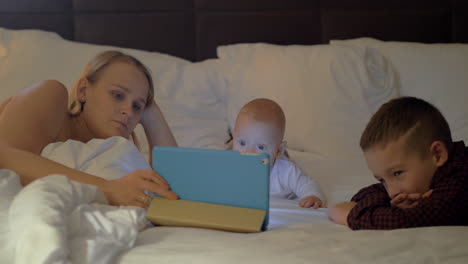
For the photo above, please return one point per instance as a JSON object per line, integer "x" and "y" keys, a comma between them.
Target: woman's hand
{"x": 136, "y": 187}
{"x": 150, "y": 115}
{"x": 156, "y": 128}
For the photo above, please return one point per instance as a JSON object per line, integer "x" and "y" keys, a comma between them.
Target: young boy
{"x": 260, "y": 127}
{"x": 423, "y": 175}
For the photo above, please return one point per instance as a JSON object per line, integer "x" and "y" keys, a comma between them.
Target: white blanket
{"x": 296, "y": 236}
{"x": 55, "y": 220}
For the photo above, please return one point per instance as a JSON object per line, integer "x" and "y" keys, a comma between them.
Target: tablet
{"x": 222, "y": 177}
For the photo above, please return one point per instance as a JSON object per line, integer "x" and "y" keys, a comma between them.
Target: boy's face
{"x": 400, "y": 169}
{"x": 256, "y": 137}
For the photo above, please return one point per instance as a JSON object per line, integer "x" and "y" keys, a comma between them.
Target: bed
{"x": 330, "y": 64}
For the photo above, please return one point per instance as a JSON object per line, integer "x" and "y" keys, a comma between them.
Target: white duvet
{"x": 55, "y": 220}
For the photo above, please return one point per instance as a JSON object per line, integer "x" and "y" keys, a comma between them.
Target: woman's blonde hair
{"x": 92, "y": 73}
{"x": 93, "y": 69}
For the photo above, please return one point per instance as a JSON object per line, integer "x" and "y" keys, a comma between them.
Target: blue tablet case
{"x": 222, "y": 177}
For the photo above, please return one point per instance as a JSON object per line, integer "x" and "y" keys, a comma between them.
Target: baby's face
{"x": 256, "y": 137}
{"x": 400, "y": 169}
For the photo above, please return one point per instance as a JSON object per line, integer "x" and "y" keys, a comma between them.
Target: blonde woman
{"x": 113, "y": 94}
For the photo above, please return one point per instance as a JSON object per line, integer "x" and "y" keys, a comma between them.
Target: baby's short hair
{"x": 422, "y": 120}
{"x": 265, "y": 110}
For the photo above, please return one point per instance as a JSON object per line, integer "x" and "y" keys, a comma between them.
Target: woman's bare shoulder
{"x": 35, "y": 116}
{"x": 50, "y": 89}
{"x": 47, "y": 95}
{"x": 47, "y": 88}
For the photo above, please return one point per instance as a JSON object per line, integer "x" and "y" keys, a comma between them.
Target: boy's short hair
{"x": 407, "y": 114}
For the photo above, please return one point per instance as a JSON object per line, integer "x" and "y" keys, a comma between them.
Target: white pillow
{"x": 30, "y": 56}
{"x": 339, "y": 179}
{"x": 194, "y": 107}
{"x": 437, "y": 73}
{"x": 327, "y": 93}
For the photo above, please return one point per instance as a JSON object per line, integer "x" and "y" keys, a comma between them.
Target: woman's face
{"x": 115, "y": 101}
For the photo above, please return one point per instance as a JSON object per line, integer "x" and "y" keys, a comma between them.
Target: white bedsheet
{"x": 52, "y": 219}
{"x": 55, "y": 220}
{"x": 300, "y": 235}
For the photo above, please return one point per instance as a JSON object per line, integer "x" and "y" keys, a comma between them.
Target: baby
{"x": 260, "y": 127}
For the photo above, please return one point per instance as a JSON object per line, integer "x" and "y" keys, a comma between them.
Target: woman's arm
{"x": 2, "y": 106}
{"x": 34, "y": 118}
{"x": 156, "y": 128}
{"x": 30, "y": 121}
{"x": 30, "y": 166}
{"x": 128, "y": 190}
{"x": 37, "y": 117}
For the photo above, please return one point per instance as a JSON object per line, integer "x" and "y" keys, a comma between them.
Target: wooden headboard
{"x": 192, "y": 29}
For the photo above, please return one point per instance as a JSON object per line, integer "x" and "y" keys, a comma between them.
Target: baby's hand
{"x": 310, "y": 201}
{"x": 409, "y": 200}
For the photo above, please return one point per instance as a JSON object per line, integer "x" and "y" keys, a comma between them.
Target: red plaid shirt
{"x": 447, "y": 205}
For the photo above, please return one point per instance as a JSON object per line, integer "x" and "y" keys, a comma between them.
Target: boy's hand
{"x": 339, "y": 212}
{"x": 310, "y": 201}
{"x": 409, "y": 200}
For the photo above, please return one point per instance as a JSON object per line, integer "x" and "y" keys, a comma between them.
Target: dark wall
{"x": 192, "y": 29}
